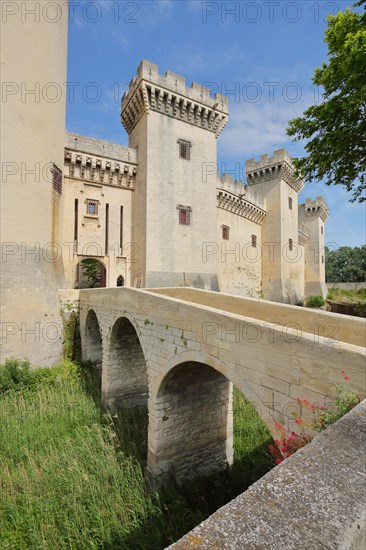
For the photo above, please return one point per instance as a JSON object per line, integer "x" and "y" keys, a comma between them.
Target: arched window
{"x": 120, "y": 281}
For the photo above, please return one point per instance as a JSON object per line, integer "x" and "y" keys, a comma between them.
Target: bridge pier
{"x": 92, "y": 349}
{"x": 190, "y": 423}
{"x": 124, "y": 373}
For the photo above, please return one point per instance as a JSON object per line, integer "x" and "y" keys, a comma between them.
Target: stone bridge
{"x": 180, "y": 350}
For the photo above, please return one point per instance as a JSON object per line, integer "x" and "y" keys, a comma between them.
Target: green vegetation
{"x": 73, "y": 475}
{"x": 356, "y": 299}
{"x": 335, "y": 128}
{"x": 345, "y": 264}
{"x": 314, "y": 301}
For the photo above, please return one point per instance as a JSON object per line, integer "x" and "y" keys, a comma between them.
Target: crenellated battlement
{"x": 317, "y": 207}
{"x": 234, "y": 196}
{"x": 270, "y": 168}
{"x": 99, "y": 161}
{"x": 169, "y": 95}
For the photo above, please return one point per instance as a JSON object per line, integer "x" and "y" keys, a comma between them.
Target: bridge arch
{"x": 124, "y": 376}
{"x": 228, "y": 371}
{"x": 92, "y": 342}
{"x": 191, "y": 416}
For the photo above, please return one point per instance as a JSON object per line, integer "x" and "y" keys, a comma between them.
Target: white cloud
{"x": 258, "y": 126}
{"x": 165, "y": 7}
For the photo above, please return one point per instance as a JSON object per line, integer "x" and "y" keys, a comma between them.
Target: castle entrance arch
{"x": 91, "y": 273}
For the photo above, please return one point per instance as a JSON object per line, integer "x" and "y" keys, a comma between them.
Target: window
{"x": 322, "y": 230}
{"x": 225, "y": 232}
{"x": 184, "y": 216}
{"x": 184, "y": 149}
{"x": 254, "y": 241}
{"x": 91, "y": 207}
{"x": 290, "y": 203}
{"x": 120, "y": 281}
{"x": 290, "y": 244}
{"x": 56, "y": 179}
{"x": 322, "y": 259}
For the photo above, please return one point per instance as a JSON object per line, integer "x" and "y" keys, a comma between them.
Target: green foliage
{"x": 323, "y": 416}
{"x": 345, "y": 264}
{"x": 345, "y": 401}
{"x": 63, "y": 483}
{"x": 340, "y": 295}
{"x": 16, "y": 375}
{"x": 336, "y": 128}
{"x": 92, "y": 269}
{"x": 73, "y": 475}
{"x": 72, "y": 342}
{"x": 315, "y": 301}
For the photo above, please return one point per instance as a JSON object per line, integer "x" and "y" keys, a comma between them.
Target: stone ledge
{"x": 313, "y": 500}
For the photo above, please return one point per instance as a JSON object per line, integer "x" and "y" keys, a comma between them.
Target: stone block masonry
{"x": 184, "y": 348}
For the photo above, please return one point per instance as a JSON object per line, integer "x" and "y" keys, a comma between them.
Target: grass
{"x": 73, "y": 475}
{"x": 356, "y": 297}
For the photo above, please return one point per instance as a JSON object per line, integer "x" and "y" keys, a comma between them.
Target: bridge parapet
{"x": 312, "y": 500}
{"x": 188, "y": 336}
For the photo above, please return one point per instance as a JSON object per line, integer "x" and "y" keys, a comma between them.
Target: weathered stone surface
{"x": 313, "y": 500}
{"x": 185, "y": 350}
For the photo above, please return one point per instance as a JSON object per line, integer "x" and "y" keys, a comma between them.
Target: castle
{"x": 158, "y": 214}
{"x": 154, "y": 214}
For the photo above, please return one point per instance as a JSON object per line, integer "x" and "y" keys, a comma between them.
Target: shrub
{"x": 320, "y": 417}
{"x": 315, "y": 301}
{"x": 15, "y": 374}
{"x": 288, "y": 444}
{"x": 18, "y": 375}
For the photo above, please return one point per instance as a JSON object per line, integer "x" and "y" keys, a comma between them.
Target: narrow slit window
{"x": 290, "y": 203}
{"x": 254, "y": 241}
{"x": 225, "y": 232}
{"x": 106, "y": 229}
{"x": 76, "y": 219}
{"x": 290, "y": 244}
{"x": 121, "y": 230}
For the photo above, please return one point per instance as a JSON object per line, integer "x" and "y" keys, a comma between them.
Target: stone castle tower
{"x": 153, "y": 214}
{"x": 273, "y": 177}
{"x": 174, "y": 130}
{"x": 32, "y": 151}
{"x": 313, "y": 214}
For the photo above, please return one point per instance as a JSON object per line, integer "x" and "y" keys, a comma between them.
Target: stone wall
{"x": 100, "y": 147}
{"x": 346, "y": 286}
{"x": 33, "y": 71}
{"x": 272, "y": 359}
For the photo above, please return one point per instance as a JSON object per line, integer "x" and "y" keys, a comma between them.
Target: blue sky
{"x": 261, "y": 54}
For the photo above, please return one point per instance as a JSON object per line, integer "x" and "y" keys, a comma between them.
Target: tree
{"x": 92, "y": 269}
{"x": 336, "y": 128}
{"x": 345, "y": 265}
